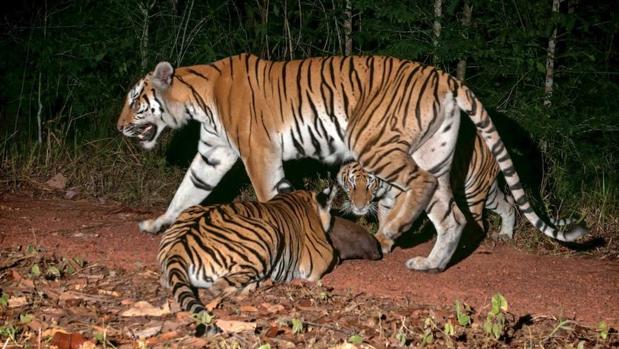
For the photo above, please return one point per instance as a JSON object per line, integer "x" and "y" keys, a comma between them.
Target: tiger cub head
{"x": 146, "y": 112}
{"x": 361, "y": 188}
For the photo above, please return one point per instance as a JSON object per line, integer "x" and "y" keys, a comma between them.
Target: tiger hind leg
{"x": 449, "y": 222}
{"x": 503, "y": 205}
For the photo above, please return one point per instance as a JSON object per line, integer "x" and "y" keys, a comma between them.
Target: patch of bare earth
{"x": 94, "y": 275}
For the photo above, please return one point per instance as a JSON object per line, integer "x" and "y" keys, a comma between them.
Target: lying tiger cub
{"x": 230, "y": 248}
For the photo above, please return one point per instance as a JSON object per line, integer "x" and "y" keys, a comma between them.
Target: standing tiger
{"x": 399, "y": 119}
{"x": 481, "y": 190}
{"x": 231, "y": 248}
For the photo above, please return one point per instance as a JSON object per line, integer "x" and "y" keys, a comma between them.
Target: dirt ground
{"x": 579, "y": 288}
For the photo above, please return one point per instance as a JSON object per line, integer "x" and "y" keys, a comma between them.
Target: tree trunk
{"x": 348, "y": 28}
{"x": 436, "y": 28}
{"x": 466, "y": 23}
{"x": 550, "y": 59}
{"x": 39, "y": 103}
{"x": 287, "y": 34}
{"x": 145, "y": 8}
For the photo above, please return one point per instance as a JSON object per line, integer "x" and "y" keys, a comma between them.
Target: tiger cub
{"x": 480, "y": 187}
{"x": 230, "y": 248}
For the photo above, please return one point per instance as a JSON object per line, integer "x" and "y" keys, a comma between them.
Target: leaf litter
{"x": 71, "y": 304}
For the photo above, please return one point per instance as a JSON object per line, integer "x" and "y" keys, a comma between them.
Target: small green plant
{"x": 35, "y": 270}
{"x": 297, "y": 326}
{"x": 462, "y": 313}
{"x": 203, "y": 318}
{"x": 495, "y": 321}
{"x": 265, "y": 346}
{"x": 449, "y": 329}
{"x": 31, "y": 249}
{"x": 562, "y": 325}
{"x": 4, "y": 299}
{"x": 52, "y": 272}
{"x": 25, "y": 319}
{"x": 9, "y": 332}
{"x": 101, "y": 338}
{"x": 355, "y": 339}
{"x": 603, "y": 330}
{"x": 428, "y": 336}
{"x": 400, "y": 336}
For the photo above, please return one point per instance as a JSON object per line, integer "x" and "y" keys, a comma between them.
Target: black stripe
{"x": 199, "y": 183}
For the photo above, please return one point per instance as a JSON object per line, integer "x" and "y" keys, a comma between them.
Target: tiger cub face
{"x": 145, "y": 115}
{"x": 361, "y": 188}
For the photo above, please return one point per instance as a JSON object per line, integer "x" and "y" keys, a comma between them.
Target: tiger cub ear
{"x": 162, "y": 76}
{"x": 325, "y": 197}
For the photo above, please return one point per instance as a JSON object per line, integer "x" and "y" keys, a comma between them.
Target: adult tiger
{"x": 481, "y": 190}
{"x": 398, "y": 118}
{"x": 231, "y": 248}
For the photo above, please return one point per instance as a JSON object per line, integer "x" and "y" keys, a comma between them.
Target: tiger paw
{"x": 386, "y": 244}
{"x": 423, "y": 264}
{"x": 149, "y": 226}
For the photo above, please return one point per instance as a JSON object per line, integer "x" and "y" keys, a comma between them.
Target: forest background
{"x": 546, "y": 70}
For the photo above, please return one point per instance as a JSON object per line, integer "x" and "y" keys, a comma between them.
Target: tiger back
{"x": 230, "y": 248}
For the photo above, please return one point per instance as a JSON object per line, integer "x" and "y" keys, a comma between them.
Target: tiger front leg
{"x": 206, "y": 170}
{"x": 449, "y": 221}
{"x": 416, "y": 186}
{"x": 266, "y": 173}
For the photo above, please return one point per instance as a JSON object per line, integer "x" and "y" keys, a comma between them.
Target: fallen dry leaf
{"x": 194, "y": 342}
{"x": 235, "y": 326}
{"x": 108, "y": 293}
{"x": 248, "y": 309}
{"x": 71, "y": 341}
{"x": 16, "y": 275}
{"x": 184, "y": 316}
{"x": 16, "y": 302}
{"x": 162, "y": 338}
{"x": 272, "y": 308}
{"x": 213, "y": 304}
{"x": 171, "y": 325}
{"x": 273, "y": 331}
{"x": 58, "y": 181}
{"x": 344, "y": 346}
{"x": 143, "y": 308}
{"x": 36, "y": 325}
{"x": 88, "y": 345}
{"x": 147, "y": 332}
{"x": 71, "y": 193}
{"x": 52, "y": 331}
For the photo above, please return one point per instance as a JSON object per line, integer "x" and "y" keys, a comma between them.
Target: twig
{"x": 85, "y": 268}
{"x": 17, "y": 260}
{"x": 345, "y": 330}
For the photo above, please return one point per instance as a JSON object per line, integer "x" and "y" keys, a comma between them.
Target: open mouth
{"x": 146, "y": 132}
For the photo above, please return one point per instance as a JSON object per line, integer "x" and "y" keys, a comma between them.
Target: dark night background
{"x": 66, "y": 66}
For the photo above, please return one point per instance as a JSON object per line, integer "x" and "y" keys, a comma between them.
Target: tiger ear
{"x": 162, "y": 76}
{"x": 325, "y": 197}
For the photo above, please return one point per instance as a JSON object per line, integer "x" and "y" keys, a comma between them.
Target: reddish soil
{"x": 576, "y": 287}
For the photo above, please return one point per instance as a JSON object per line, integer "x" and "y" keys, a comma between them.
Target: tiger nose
{"x": 119, "y": 127}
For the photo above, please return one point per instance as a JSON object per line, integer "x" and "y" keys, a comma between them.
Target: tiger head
{"x": 361, "y": 187}
{"x": 147, "y": 110}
